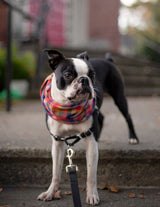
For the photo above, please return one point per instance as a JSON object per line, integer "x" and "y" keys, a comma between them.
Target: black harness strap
{"x": 74, "y": 187}
{"x": 76, "y": 138}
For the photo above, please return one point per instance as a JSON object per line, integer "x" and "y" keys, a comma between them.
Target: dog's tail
{"x": 109, "y": 57}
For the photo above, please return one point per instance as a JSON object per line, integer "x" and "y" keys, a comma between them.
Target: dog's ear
{"x": 54, "y": 58}
{"x": 83, "y": 55}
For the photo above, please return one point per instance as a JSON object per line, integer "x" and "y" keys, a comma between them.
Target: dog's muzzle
{"x": 84, "y": 81}
{"x": 85, "y": 86}
{"x": 81, "y": 87}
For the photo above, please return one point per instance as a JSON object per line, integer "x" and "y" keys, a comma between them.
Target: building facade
{"x": 71, "y": 23}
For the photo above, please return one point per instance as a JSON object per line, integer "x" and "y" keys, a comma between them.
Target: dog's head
{"x": 74, "y": 77}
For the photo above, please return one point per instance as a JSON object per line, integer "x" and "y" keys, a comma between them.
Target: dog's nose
{"x": 83, "y": 80}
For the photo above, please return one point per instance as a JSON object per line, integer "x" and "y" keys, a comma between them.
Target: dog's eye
{"x": 68, "y": 75}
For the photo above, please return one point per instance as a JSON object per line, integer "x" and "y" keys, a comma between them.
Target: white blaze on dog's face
{"x": 74, "y": 77}
{"x": 82, "y": 86}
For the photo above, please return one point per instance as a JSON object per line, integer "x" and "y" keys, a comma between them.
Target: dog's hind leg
{"x": 121, "y": 103}
{"x": 115, "y": 88}
{"x": 57, "y": 159}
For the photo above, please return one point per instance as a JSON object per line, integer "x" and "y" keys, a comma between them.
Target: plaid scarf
{"x": 72, "y": 113}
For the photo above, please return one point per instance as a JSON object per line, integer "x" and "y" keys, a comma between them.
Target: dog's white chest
{"x": 64, "y": 130}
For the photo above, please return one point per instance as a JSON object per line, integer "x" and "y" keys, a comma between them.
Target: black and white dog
{"x": 76, "y": 80}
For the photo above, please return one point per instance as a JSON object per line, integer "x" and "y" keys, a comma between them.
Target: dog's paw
{"x": 46, "y": 196}
{"x": 92, "y": 198}
{"x": 133, "y": 141}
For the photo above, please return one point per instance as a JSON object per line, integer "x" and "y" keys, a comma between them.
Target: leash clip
{"x": 70, "y": 153}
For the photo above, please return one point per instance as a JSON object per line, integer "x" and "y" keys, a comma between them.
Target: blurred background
{"x": 128, "y": 29}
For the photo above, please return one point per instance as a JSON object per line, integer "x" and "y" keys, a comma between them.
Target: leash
{"x": 72, "y": 169}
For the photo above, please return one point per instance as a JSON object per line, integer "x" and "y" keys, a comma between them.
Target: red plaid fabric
{"x": 73, "y": 113}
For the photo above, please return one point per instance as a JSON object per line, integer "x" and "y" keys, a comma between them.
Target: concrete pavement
{"x": 20, "y": 196}
{"x": 24, "y": 127}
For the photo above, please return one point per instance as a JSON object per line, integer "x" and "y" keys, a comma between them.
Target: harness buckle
{"x": 70, "y": 153}
{"x": 57, "y": 138}
{"x": 79, "y": 136}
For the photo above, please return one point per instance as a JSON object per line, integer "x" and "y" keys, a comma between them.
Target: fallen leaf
{"x": 114, "y": 189}
{"x": 105, "y": 187}
{"x": 68, "y": 193}
{"x": 20, "y": 186}
{"x": 83, "y": 189}
{"x": 141, "y": 196}
{"x": 132, "y": 195}
{"x": 57, "y": 194}
{"x": 5, "y": 206}
{"x": 1, "y": 189}
{"x": 111, "y": 188}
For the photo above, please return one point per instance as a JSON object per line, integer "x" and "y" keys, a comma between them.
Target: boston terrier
{"x": 72, "y": 97}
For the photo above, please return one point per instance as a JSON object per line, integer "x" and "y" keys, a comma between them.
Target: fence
{"x": 8, "y": 75}
{"x": 38, "y": 23}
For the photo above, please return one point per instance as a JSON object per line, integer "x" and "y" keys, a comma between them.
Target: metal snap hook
{"x": 70, "y": 153}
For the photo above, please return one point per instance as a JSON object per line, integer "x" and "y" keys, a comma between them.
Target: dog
{"x": 73, "y": 108}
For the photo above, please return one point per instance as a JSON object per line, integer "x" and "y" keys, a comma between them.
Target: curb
{"x": 120, "y": 168}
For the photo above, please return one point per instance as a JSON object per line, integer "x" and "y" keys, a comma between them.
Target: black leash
{"x": 74, "y": 187}
{"x": 72, "y": 169}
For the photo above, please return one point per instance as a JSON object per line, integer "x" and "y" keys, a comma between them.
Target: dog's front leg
{"x": 92, "y": 162}
{"x": 57, "y": 159}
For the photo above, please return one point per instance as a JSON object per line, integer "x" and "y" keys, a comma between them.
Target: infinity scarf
{"x": 72, "y": 113}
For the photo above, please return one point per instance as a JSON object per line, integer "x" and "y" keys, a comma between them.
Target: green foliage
{"x": 148, "y": 37}
{"x": 23, "y": 66}
{"x": 150, "y": 53}
{"x": 2, "y": 68}
{"x": 150, "y": 49}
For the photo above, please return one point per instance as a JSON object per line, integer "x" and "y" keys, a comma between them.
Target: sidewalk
{"x": 25, "y": 126}
{"x": 126, "y": 197}
{"x": 25, "y": 145}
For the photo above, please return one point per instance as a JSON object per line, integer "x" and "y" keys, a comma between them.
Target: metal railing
{"x": 8, "y": 75}
{"x": 39, "y": 23}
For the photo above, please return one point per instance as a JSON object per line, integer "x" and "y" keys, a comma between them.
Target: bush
{"x": 23, "y": 67}
{"x": 2, "y": 68}
{"x": 149, "y": 53}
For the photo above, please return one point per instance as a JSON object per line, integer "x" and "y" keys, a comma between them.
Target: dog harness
{"x": 72, "y": 113}
{"x": 75, "y": 138}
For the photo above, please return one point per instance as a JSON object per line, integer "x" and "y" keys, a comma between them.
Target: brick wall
{"x": 103, "y": 22}
{"x": 54, "y": 25}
